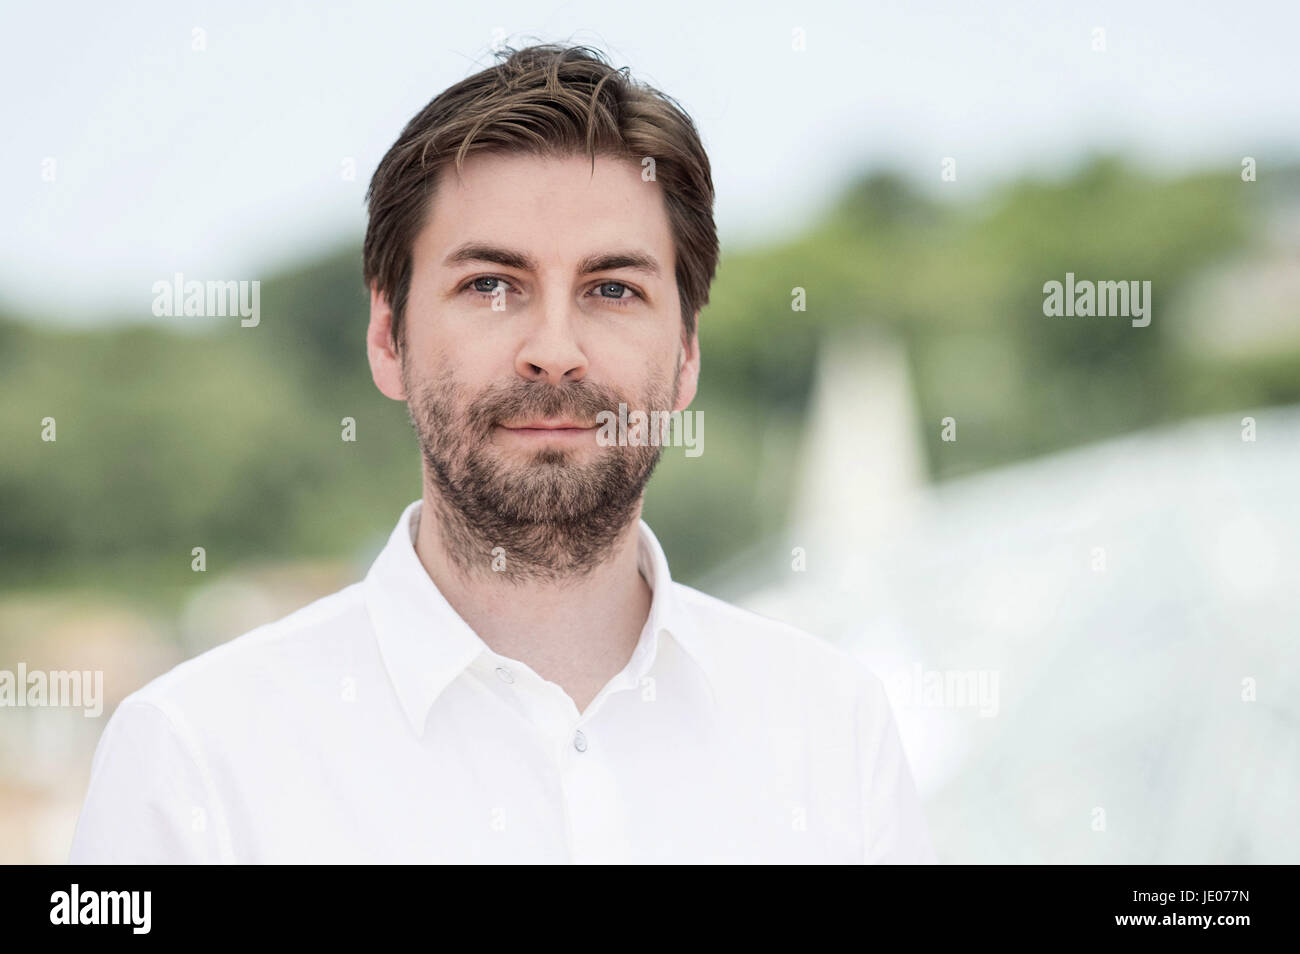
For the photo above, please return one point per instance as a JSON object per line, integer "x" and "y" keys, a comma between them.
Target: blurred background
{"x": 1083, "y": 602}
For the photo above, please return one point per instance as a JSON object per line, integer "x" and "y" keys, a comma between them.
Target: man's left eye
{"x": 618, "y": 289}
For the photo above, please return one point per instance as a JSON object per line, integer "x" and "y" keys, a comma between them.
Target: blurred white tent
{"x": 1123, "y": 604}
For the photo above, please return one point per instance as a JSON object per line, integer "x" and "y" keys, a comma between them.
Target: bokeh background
{"x": 1101, "y": 543}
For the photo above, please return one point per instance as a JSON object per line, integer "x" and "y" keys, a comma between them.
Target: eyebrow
{"x": 601, "y": 262}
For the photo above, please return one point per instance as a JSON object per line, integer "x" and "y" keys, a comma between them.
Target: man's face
{"x": 542, "y": 293}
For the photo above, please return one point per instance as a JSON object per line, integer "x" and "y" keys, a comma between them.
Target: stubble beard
{"x": 552, "y": 517}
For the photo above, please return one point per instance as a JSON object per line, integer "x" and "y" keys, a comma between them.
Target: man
{"x": 518, "y": 679}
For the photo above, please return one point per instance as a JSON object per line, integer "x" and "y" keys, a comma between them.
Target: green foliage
{"x": 229, "y": 438}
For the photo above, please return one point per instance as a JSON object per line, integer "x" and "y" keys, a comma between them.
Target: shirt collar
{"x": 425, "y": 644}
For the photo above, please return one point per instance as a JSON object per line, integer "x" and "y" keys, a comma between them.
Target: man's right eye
{"x": 478, "y": 284}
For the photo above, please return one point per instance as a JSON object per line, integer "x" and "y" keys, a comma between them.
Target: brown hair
{"x": 551, "y": 101}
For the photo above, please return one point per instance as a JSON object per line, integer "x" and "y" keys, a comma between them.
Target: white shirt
{"x": 375, "y": 726}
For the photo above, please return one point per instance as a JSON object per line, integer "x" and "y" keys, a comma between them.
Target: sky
{"x": 136, "y": 148}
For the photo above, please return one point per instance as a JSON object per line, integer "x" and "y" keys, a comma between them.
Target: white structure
{"x": 1093, "y": 656}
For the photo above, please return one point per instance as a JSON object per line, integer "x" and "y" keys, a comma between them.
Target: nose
{"x": 551, "y": 351}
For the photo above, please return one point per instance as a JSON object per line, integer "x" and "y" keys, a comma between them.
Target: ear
{"x": 688, "y": 379}
{"x": 385, "y": 362}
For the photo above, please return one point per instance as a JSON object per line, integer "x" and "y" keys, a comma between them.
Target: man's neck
{"x": 578, "y": 632}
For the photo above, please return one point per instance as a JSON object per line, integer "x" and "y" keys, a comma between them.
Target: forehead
{"x": 557, "y": 209}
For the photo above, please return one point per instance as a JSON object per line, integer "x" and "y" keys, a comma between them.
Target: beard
{"x": 553, "y": 516}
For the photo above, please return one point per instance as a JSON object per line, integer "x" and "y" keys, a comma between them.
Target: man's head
{"x": 541, "y": 241}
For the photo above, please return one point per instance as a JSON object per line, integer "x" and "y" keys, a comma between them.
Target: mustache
{"x": 580, "y": 401}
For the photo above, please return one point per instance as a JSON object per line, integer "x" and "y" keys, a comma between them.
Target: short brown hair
{"x": 551, "y": 101}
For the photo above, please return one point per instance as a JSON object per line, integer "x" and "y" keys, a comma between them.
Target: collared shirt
{"x": 374, "y": 725}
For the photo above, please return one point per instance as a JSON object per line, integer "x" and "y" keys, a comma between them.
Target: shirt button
{"x": 505, "y": 675}
{"x": 579, "y": 741}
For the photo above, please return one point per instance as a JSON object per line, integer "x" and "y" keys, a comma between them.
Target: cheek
{"x": 437, "y": 321}
{"x": 442, "y": 345}
{"x": 648, "y": 382}
{"x": 631, "y": 352}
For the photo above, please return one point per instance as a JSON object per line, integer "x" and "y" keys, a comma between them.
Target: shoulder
{"x": 276, "y": 664}
{"x": 764, "y": 649}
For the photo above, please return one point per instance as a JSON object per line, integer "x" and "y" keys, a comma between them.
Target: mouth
{"x": 547, "y": 430}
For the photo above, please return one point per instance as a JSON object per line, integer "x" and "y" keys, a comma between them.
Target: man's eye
{"x": 618, "y": 288}
{"x": 612, "y": 292}
{"x": 477, "y": 284}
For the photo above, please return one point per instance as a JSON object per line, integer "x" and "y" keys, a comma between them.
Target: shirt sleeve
{"x": 896, "y": 831}
{"x": 150, "y": 798}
